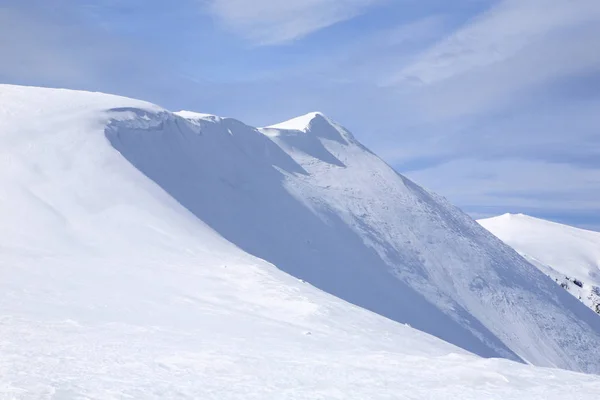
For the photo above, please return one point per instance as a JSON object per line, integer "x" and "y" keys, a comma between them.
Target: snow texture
{"x": 570, "y": 256}
{"x": 146, "y": 254}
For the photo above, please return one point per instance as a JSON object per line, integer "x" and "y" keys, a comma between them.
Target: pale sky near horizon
{"x": 494, "y": 104}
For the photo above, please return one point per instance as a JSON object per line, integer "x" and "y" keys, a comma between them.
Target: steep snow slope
{"x": 569, "y": 255}
{"x": 321, "y": 207}
{"x": 111, "y": 289}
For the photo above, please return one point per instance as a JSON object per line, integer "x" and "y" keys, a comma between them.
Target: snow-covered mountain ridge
{"x": 570, "y": 256}
{"x": 133, "y": 244}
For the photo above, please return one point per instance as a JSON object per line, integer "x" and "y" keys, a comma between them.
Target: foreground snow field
{"x": 569, "y": 255}
{"x": 121, "y": 284}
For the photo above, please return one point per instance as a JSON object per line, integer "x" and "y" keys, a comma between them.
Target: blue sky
{"x": 494, "y": 104}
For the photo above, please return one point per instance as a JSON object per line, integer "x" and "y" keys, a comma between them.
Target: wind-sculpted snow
{"x": 119, "y": 286}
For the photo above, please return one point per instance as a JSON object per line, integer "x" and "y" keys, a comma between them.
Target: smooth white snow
{"x": 196, "y": 115}
{"x": 568, "y": 255}
{"x": 119, "y": 282}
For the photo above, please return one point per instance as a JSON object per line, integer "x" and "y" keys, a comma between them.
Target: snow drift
{"x": 117, "y": 285}
{"x": 570, "y": 256}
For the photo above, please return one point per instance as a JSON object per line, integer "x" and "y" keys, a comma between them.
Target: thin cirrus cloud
{"x": 514, "y": 66}
{"x": 499, "y": 34}
{"x": 519, "y": 58}
{"x": 513, "y": 47}
{"x": 269, "y": 22}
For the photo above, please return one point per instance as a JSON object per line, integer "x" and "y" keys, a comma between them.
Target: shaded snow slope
{"x": 111, "y": 289}
{"x": 569, "y": 255}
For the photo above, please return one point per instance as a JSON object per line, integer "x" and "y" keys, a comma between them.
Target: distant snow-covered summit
{"x": 569, "y": 255}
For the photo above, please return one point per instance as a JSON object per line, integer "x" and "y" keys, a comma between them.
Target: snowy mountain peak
{"x": 301, "y": 123}
{"x": 196, "y": 115}
{"x": 314, "y": 124}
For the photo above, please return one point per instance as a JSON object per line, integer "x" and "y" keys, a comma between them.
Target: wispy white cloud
{"x": 503, "y": 67}
{"x": 267, "y": 22}
{"x": 495, "y": 59}
{"x": 499, "y": 34}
